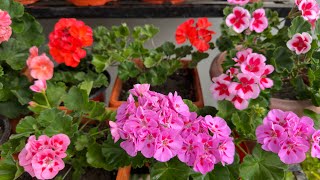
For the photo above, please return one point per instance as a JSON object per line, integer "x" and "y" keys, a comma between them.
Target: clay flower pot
{"x": 162, "y": 1}
{"x": 124, "y": 173}
{"x": 89, "y": 2}
{"x": 114, "y": 101}
{"x": 26, "y": 2}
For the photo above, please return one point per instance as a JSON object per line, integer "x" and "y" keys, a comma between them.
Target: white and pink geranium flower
{"x": 259, "y": 21}
{"x": 42, "y": 158}
{"x": 310, "y": 10}
{"x": 254, "y": 64}
{"x": 247, "y": 88}
{"x": 164, "y": 128}
{"x": 238, "y": 2}
{"x": 264, "y": 81}
{"x": 300, "y": 43}
{"x": 239, "y": 19}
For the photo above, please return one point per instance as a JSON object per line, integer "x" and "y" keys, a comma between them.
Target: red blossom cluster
{"x": 68, "y": 39}
{"x": 197, "y": 33}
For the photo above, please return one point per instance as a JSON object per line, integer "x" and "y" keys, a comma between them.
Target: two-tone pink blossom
{"x": 254, "y": 64}
{"x": 259, "y": 21}
{"x": 238, "y": 2}
{"x": 239, "y": 19}
{"x": 247, "y": 88}
{"x": 300, "y": 43}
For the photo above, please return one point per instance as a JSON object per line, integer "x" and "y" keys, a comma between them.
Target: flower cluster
{"x": 240, "y": 19}
{"x": 289, "y": 136}
{"x": 244, "y": 81}
{"x": 5, "y": 29}
{"x": 42, "y": 158}
{"x": 309, "y": 9}
{"x": 162, "y": 127}
{"x": 300, "y": 43}
{"x": 238, "y": 2}
{"x": 198, "y": 34}
{"x": 40, "y": 67}
{"x": 68, "y": 39}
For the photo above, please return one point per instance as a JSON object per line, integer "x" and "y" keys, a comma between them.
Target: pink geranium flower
{"x": 59, "y": 143}
{"x": 247, "y": 88}
{"x": 114, "y": 129}
{"x": 226, "y": 151}
{"x": 5, "y": 19}
{"x": 300, "y": 43}
{"x": 204, "y": 163}
{"x": 255, "y": 64}
{"x": 309, "y": 9}
{"x": 190, "y": 149}
{"x": 5, "y": 33}
{"x": 239, "y": 103}
{"x": 46, "y": 165}
{"x": 41, "y": 67}
{"x": 241, "y": 56}
{"x": 129, "y": 145}
{"x": 293, "y": 151}
{"x": 178, "y": 104}
{"x": 146, "y": 142}
{"x": 304, "y": 128}
{"x": 239, "y": 2}
{"x": 217, "y": 126}
{"x": 271, "y": 136}
{"x": 264, "y": 81}
{"x": 219, "y": 88}
{"x": 315, "y": 150}
{"x": 140, "y": 89}
{"x": 239, "y": 19}
{"x": 285, "y": 119}
{"x": 167, "y": 145}
{"x": 39, "y": 86}
{"x": 259, "y": 21}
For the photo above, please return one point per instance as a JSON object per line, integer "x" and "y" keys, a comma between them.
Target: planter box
{"x": 115, "y": 94}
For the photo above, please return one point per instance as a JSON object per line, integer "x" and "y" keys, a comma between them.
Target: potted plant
{"x": 57, "y": 141}
{"x": 160, "y": 66}
{"x": 295, "y": 87}
{"x": 19, "y": 32}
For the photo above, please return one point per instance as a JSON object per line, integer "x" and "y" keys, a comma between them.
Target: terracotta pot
{"x": 114, "y": 101}
{"x": 89, "y": 2}
{"x": 162, "y": 1}
{"x": 26, "y": 2}
{"x": 216, "y": 65}
{"x": 124, "y": 173}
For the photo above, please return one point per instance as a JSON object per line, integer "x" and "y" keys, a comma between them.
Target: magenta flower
{"x": 204, "y": 163}
{"x": 140, "y": 89}
{"x": 226, "y": 151}
{"x": 239, "y": 2}
{"x": 259, "y": 21}
{"x": 167, "y": 145}
{"x": 247, "y": 88}
{"x": 293, "y": 151}
{"x": 39, "y": 86}
{"x": 271, "y": 136}
{"x": 309, "y": 9}
{"x": 190, "y": 149}
{"x": 59, "y": 143}
{"x": 114, "y": 129}
{"x": 46, "y": 165}
{"x": 264, "y": 81}
{"x": 129, "y": 145}
{"x": 255, "y": 64}
{"x": 285, "y": 119}
{"x": 126, "y": 109}
{"x": 217, "y": 126}
{"x": 241, "y": 56}
{"x": 146, "y": 142}
{"x": 300, "y": 43}
{"x": 219, "y": 88}
{"x": 170, "y": 119}
{"x": 191, "y": 125}
{"x": 315, "y": 150}
{"x": 239, "y": 19}
{"x": 304, "y": 128}
{"x": 178, "y": 104}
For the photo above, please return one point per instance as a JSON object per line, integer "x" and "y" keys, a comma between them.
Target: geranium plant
{"x": 124, "y": 46}
{"x": 19, "y": 31}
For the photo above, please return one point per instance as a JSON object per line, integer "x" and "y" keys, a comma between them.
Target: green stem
{"x": 46, "y": 98}
{"x": 85, "y": 124}
{"x": 99, "y": 132}
{"x": 241, "y": 149}
{"x": 315, "y": 174}
{"x": 65, "y": 175}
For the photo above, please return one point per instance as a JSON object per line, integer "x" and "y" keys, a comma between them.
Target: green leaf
{"x": 115, "y": 156}
{"x": 314, "y": 116}
{"x": 298, "y": 25}
{"x": 76, "y": 99}
{"x": 27, "y": 125}
{"x": 192, "y": 107}
{"x": 15, "y": 9}
{"x": 282, "y": 60}
{"x": 262, "y": 165}
{"x": 168, "y": 48}
{"x": 95, "y": 157}
{"x": 23, "y": 95}
{"x": 173, "y": 169}
{"x": 55, "y": 92}
{"x": 8, "y": 168}
{"x": 82, "y": 142}
{"x": 183, "y": 51}
{"x": 12, "y": 109}
{"x": 219, "y": 173}
{"x": 196, "y": 58}
{"x": 207, "y": 110}
{"x": 87, "y": 86}
{"x": 138, "y": 161}
{"x": 127, "y": 70}
{"x": 225, "y": 109}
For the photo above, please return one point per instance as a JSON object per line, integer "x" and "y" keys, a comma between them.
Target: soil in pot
{"x": 181, "y": 81}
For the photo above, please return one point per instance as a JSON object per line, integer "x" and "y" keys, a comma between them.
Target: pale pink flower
{"x": 239, "y": 19}
{"x": 46, "y": 165}
{"x": 114, "y": 129}
{"x": 129, "y": 145}
{"x": 59, "y": 143}
{"x": 167, "y": 145}
{"x": 264, "y": 81}
{"x": 315, "y": 150}
{"x": 247, "y": 88}
{"x": 271, "y": 136}
{"x": 190, "y": 149}
{"x": 178, "y": 105}
{"x": 140, "y": 89}
{"x": 309, "y": 9}
{"x": 204, "y": 163}
{"x": 239, "y": 103}
{"x": 33, "y": 52}
{"x": 170, "y": 119}
{"x": 293, "y": 151}
{"x": 217, "y": 126}
{"x": 146, "y": 142}
{"x": 239, "y": 2}
{"x": 5, "y": 19}
{"x": 300, "y": 43}
{"x": 191, "y": 125}
{"x": 304, "y": 128}
{"x": 259, "y": 21}
{"x": 5, "y": 33}
{"x": 286, "y": 119}
{"x": 255, "y": 64}
{"x": 39, "y": 86}
{"x": 125, "y": 110}
{"x": 226, "y": 151}
{"x": 232, "y": 72}
{"x": 241, "y": 56}
{"x": 219, "y": 88}
{"x": 41, "y": 67}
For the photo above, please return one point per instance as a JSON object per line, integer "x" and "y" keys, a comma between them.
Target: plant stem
{"x": 65, "y": 175}
{"x": 315, "y": 174}
{"x": 46, "y": 98}
{"x": 98, "y": 132}
{"x": 241, "y": 149}
{"x": 85, "y": 124}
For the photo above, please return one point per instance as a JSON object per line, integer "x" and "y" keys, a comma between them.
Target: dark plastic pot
{"x": 5, "y": 129}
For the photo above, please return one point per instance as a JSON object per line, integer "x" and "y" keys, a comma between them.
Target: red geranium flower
{"x": 198, "y": 34}
{"x": 68, "y": 39}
